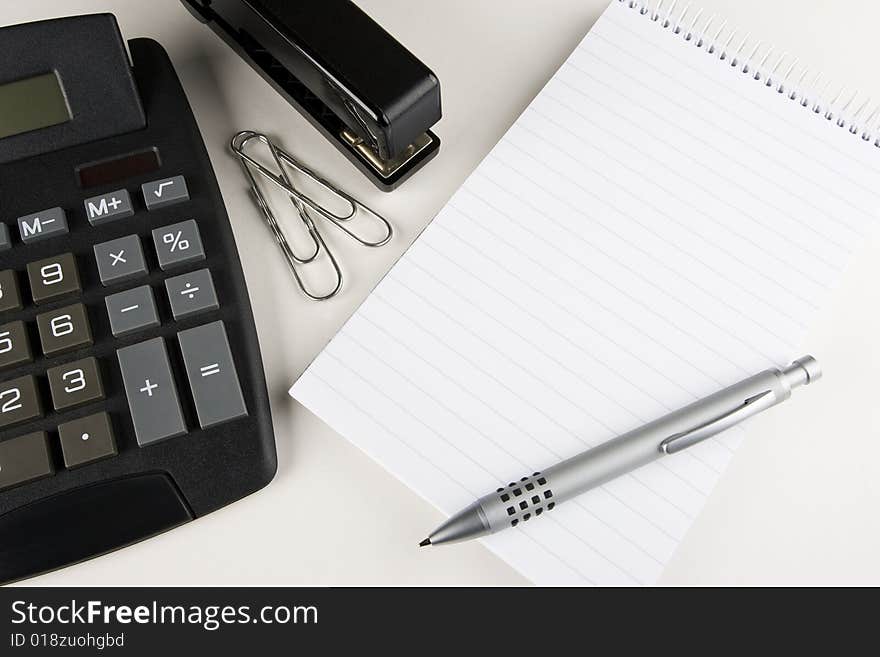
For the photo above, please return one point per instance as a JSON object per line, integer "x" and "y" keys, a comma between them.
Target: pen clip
{"x": 751, "y": 406}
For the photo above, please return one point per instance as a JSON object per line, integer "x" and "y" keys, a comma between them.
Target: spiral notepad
{"x": 664, "y": 219}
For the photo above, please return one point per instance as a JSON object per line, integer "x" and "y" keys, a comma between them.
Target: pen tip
{"x": 427, "y": 541}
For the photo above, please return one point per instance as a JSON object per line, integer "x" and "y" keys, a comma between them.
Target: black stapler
{"x": 367, "y": 93}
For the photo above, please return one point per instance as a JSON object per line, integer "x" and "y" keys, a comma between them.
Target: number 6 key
{"x": 64, "y": 329}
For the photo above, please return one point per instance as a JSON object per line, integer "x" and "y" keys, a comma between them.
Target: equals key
{"x": 211, "y": 373}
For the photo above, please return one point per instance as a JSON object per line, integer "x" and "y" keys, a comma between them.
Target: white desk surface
{"x": 799, "y": 503}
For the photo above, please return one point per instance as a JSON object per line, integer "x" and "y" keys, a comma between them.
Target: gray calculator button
{"x": 178, "y": 244}
{"x": 168, "y": 191}
{"x": 190, "y": 294}
{"x": 86, "y": 440}
{"x": 120, "y": 259}
{"x": 14, "y": 346}
{"x": 75, "y": 383}
{"x": 10, "y": 299}
{"x": 42, "y": 225}
{"x": 149, "y": 387}
{"x": 132, "y": 310}
{"x": 19, "y": 401}
{"x": 211, "y": 374}
{"x": 24, "y": 459}
{"x": 64, "y": 329}
{"x": 108, "y": 207}
{"x": 5, "y": 242}
{"x": 53, "y": 277}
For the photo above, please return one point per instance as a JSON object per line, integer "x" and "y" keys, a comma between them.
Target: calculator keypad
{"x": 53, "y": 278}
{"x": 150, "y": 387}
{"x": 64, "y": 329}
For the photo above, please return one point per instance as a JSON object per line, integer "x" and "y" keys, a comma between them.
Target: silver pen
{"x": 540, "y": 492}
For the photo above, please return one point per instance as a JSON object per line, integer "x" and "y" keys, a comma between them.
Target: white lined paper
{"x": 654, "y": 226}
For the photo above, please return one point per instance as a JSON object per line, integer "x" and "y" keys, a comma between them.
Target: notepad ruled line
{"x": 756, "y": 126}
{"x": 724, "y": 179}
{"x": 642, "y": 253}
{"x": 676, "y": 202}
{"x": 604, "y": 279}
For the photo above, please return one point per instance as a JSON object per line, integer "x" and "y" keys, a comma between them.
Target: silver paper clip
{"x": 305, "y": 206}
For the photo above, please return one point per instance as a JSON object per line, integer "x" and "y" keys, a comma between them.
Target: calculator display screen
{"x": 118, "y": 168}
{"x": 31, "y": 104}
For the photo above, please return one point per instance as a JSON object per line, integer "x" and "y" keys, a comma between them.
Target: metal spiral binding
{"x": 776, "y": 72}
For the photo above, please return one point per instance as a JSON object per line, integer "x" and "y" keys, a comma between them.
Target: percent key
{"x": 178, "y": 244}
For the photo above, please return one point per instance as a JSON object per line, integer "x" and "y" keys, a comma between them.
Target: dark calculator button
{"x": 108, "y": 207}
{"x": 132, "y": 310}
{"x": 42, "y": 225}
{"x": 168, "y": 191}
{"x": 178, "y": 244}
{"x": 10, "y": 298}
{"x": 191, "y": 294}
{"x": 5, "y": 242}
{"x": 152, "y": 395}
{"x": 53, "y": 277}
{"x": 64, "y": 329}
{"x": 75, "y": 383}
{"x": 14, "y": 346}
{"x": 120, "y": 259}
{"x": 24, "y": 459}
{"x": 86, "y": 440}
{"x": 211, "y": 372}
{"x": 19, "y": 401}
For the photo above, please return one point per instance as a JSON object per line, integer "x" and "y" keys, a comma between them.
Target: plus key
{"x": 152, "y": 395}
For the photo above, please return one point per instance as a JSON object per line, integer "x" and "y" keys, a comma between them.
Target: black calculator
{"x": 132, "y": 394}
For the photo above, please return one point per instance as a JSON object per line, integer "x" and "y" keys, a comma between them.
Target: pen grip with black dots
{"x": 539, "y": 493}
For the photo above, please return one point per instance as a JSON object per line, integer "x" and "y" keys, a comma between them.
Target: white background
{"x": 798, "y": 505}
